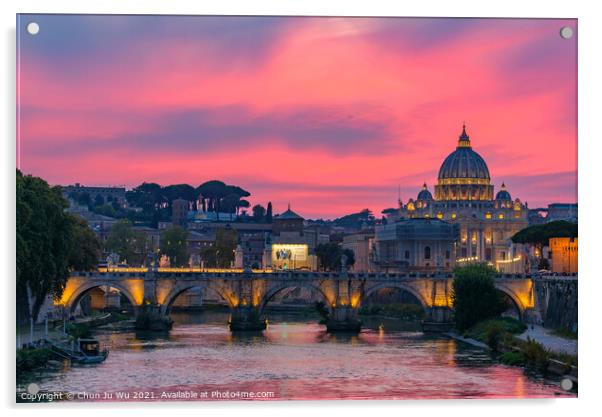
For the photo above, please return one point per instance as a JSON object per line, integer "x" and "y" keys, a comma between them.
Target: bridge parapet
{"x": 185, "y": 273}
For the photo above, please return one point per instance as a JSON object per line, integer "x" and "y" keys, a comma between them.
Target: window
{"x": 447, "y": 254}
{"x": 407, "y": 254}
{"x": 487, "y": 254}
{"x": 464, "y": 252}
{"x": 427, "y": 252}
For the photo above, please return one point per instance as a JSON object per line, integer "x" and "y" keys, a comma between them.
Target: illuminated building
{"x": 290, "y": 256}
{"x": 464, "y": 196}
{"x": 564, "y": 255}
{"x": 291, "y": 245}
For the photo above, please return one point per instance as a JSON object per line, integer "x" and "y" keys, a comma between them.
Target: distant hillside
{"x": 354, "y": 221}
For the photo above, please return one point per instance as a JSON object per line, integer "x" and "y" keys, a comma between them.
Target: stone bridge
{"x": 247, "y": 293}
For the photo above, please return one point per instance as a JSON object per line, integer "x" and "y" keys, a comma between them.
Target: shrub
{"x": 537, "y": 357}
{"x": 493, "y": 335}
{"x": 32, "y": 358}
{"x": 513, "y": 358}
{"x": 474, "y": 295}
{"x": 501, "y": 328}
{"x": 78, "y": 331}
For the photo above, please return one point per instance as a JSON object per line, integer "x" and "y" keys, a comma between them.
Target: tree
{"x": 230, "y": 203}
{"x": 212, "y": 192}
{"x": 330, "y": 255}
{"x": 115, "y": 206}
{"x": 474, "y": 295}
{"x": 147, "y": 196}
{"x": 242, "y": 204}
{"x": 174, "y": 245}
{"x": 350, "y": 257}
{"x": 258, "y": 213}
{"x": 141, "y": 247}
{"x": 99, "y": 200}
{"x": 269, "y": 214}
{"x": 539, "y": 235}
{"x": 183, "y": 191}
{"x": 105, "y": 210}
{"x": 218, "y": 197}
{"x": 85, "y": 247}
{"x": 43, "y": 241}
{"x": 83, "y": 199}
{"x": 121, "y": 240}
{"x": 356, "y": 220}
{"x": 221, "y": 254}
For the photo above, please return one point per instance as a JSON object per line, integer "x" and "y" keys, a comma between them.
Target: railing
{"x": 286, "y": 274}
{"x": 183, "y": 270}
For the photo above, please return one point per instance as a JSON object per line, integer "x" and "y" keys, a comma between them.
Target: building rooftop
{"x": 288, "y": 215}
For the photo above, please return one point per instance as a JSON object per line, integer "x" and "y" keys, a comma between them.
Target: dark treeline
{"x": 360, "y": 220}
{"x": 151, "y": 203}
{"x": 213, "y": 196}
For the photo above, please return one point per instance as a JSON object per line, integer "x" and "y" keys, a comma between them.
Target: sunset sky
{"x": 331, "y": 114}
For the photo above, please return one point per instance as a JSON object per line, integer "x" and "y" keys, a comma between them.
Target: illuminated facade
{"x": 290, "y": 256}
{"x": 564, "y": 255}
{"x": 291, "y": 245}
{"x": 464, "y": 195}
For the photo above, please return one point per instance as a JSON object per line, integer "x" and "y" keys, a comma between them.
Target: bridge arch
{"x": 83, "y": 289}
{"x": 514, "y": 298}
{"x": 274, "y": 290}
{"x": 404, "y": 287}
{"x": 179, "y": 289}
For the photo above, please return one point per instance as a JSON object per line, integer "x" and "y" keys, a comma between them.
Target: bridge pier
{"x": 246, "y": 318}
{"x": 438, "y": 319}
{"x": 343, "y": 319}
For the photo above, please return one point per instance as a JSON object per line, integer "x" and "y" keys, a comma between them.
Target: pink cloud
{"x": 326, "y": 102}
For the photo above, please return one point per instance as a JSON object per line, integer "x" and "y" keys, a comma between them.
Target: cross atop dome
{"x": 464, "y": 139}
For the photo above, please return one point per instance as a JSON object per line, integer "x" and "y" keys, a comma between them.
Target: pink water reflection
{"x": 298, "y": 361}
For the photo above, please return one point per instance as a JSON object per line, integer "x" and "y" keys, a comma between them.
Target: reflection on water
{"x": 296, "y": 359}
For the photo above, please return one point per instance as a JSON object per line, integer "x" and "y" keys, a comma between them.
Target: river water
{"x": 293, "y": 359}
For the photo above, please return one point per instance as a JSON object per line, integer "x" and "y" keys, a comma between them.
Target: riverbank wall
{"x": 556, "y": 301}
